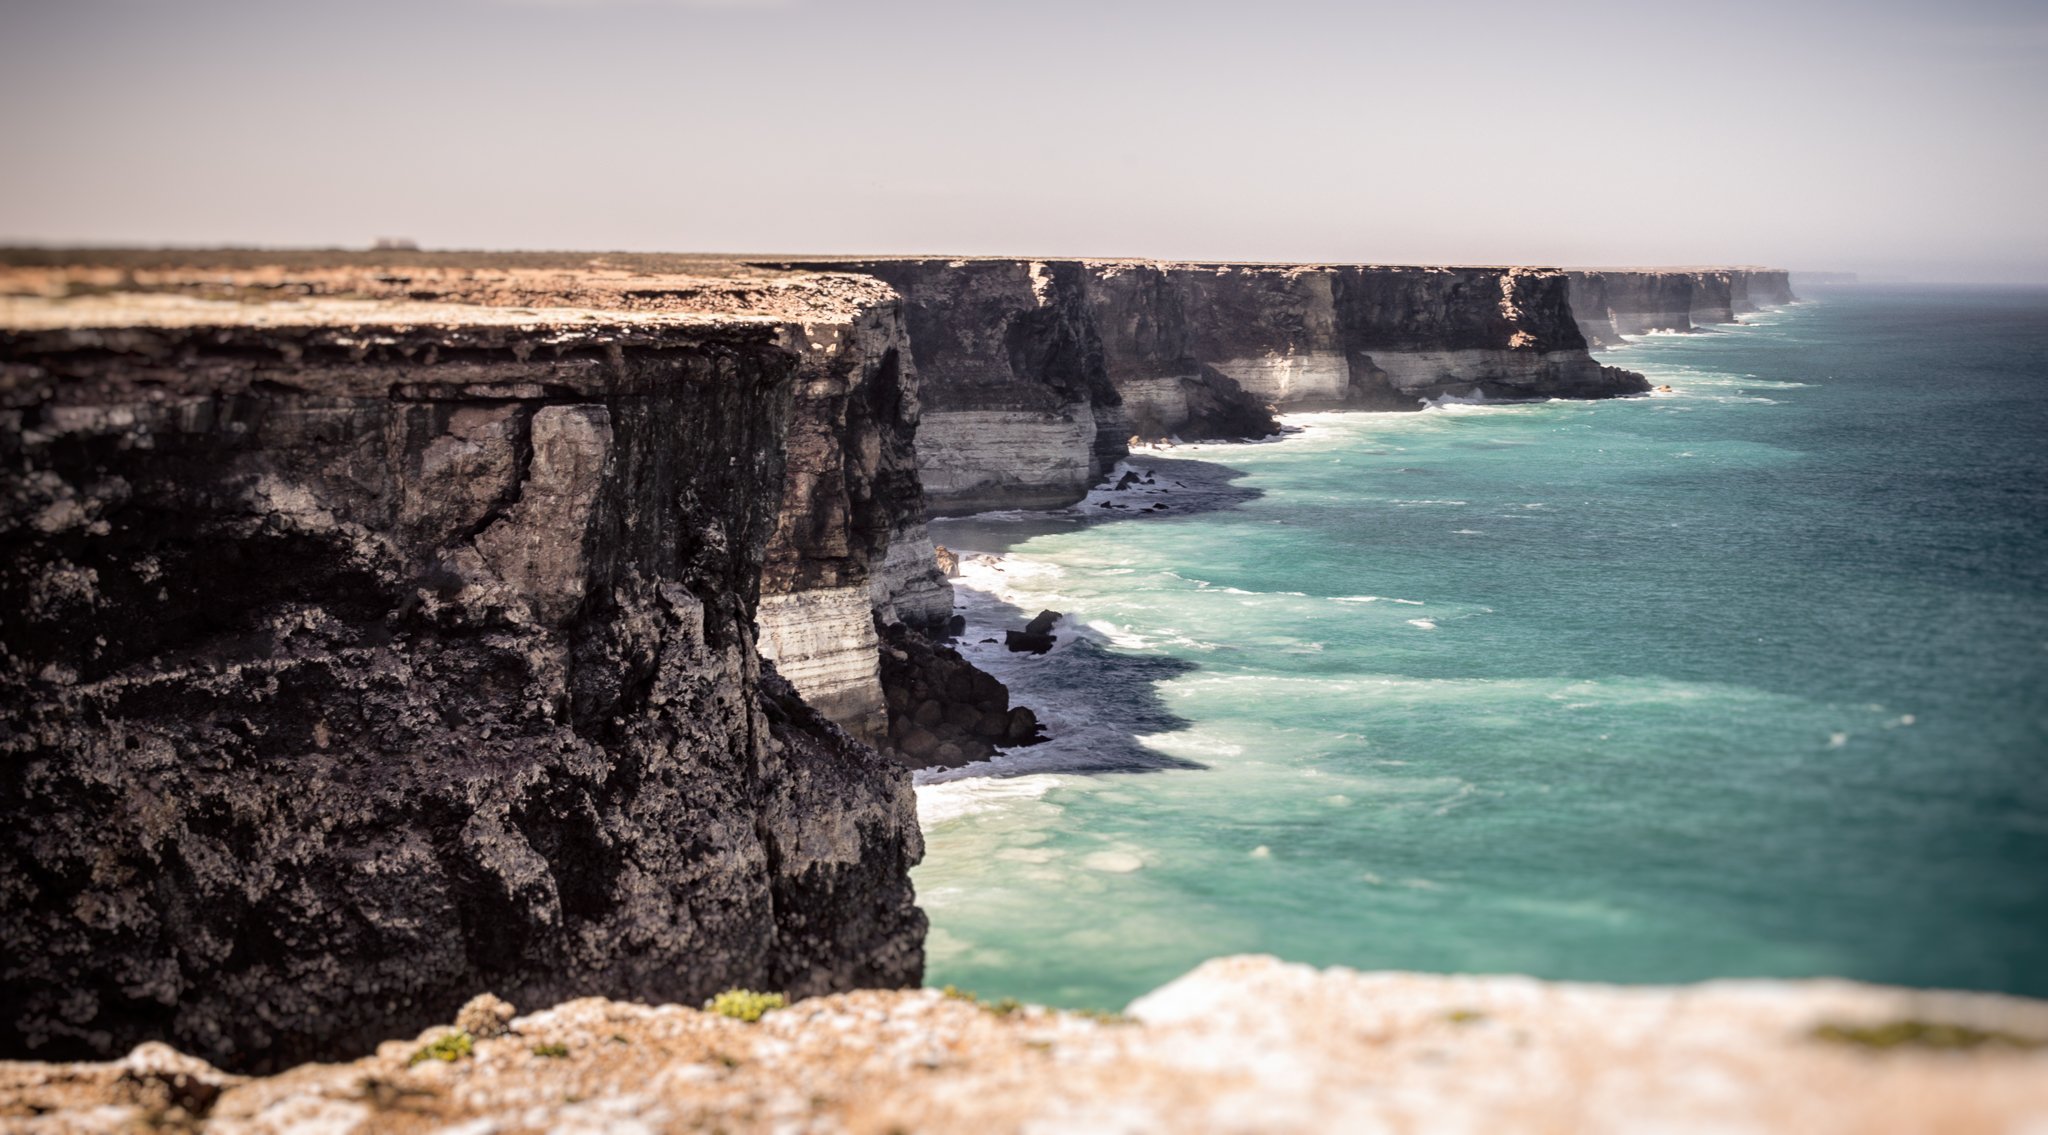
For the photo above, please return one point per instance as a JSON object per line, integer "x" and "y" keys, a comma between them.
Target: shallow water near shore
{"x": 1747, "y": 679}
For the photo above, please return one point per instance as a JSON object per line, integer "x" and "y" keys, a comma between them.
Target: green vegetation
{"x": 745, "y": 1004}
{"x": 1922, "y": 1034}
{"x": 1002, "y": 1008}
{"x": 1106, "y": 1016}
{"x": 447, "y": 1048}
{"x": 1464, "y": 1016}
{"x": 555, "y": 1051}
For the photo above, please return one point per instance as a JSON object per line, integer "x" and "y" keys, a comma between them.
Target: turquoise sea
{"x": 1746, "y": 679}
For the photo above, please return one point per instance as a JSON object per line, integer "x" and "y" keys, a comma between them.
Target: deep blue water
{"x": 1748, "y": 679}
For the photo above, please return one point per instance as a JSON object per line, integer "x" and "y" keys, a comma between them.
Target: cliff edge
{"x": 377, "y": 635}
{"x": 1239, "y": 1045}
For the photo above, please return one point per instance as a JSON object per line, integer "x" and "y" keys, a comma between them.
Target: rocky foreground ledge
{"x": 1245, "y": 1044}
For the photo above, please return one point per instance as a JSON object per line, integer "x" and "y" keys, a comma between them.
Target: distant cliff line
{"x": 1036, "y": 373}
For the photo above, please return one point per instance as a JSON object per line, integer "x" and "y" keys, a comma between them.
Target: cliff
{"x": 1018, "y": 407}
{"x": 1611, "y": 304}
{"x": 1035, "y": 373}
{"x": 1349, "y": 337}
{"x": 363, "y": 650}
{"x": 1239, "y": 1045}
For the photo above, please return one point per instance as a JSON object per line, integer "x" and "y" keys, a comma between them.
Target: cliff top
{"x": 42, "y": 289}
{"x": 52, "y": 289}
{"x": 1241, "y": 1044}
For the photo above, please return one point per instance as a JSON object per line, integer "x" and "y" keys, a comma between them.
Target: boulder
{"x": 1024, "y": 642}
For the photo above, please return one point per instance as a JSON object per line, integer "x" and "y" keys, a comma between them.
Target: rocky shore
{"x": 1239, "y": 1045}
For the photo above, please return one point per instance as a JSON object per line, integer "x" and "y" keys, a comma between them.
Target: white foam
{"x": 944, "y": 802}
{"x": 1118, "y": 635}
{"x": 1425, "y": 624}
{"x": 1113, "y": 862}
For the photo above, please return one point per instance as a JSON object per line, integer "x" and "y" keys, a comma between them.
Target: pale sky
{"x": 1882, "y": 137}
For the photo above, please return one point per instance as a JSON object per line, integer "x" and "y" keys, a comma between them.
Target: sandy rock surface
{"x": 1239, "y": 1045}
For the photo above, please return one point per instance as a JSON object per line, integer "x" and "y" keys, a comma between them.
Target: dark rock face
{"x": 851, "y": 538}
{"x": 943, "y": 711}
{"x": 1036, "y": 637}
{"x": 1152, "y": 344}
{"x": 1612, "y": 304}
{"x": 1305, "y": 337}
{"x": 851, "y": 470}
{"x": 349, "y": 672}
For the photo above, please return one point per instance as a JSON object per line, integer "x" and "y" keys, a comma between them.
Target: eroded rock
{"x": 353, "y": 665}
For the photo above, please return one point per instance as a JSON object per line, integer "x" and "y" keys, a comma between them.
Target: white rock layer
{"x": 907, "y": 586}
{"x": 1303, "y": 376}
{"x": 823, "y": 641}
{"x": 976, "y": 460}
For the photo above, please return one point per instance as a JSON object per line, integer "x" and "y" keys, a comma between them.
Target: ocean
{"x": 1746, "y": 679}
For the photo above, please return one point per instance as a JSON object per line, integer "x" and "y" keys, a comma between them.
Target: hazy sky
{"x": 1874, "y": 136}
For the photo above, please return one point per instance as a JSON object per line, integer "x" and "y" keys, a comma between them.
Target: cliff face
{"x": 360, "y": 659}
{"x": 1035, "y": 373}
{"x": 1158, "y": 340}
{"x": 1611, "y": 304}
{"x": 850, "y": 542}
{"x": 1018, "y": 408}
{"x": 1323, "y": 337}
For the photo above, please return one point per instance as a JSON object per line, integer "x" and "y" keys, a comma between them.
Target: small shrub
{"x": 1464, "y": 1016}
{"x": 1921, "y": 1034}
{"x": 745, "y": 1004}
{"x": 1106, "y": 1016}
{"x": 554, "y": 1051}
{"x": 1001, "y": 1008}
{"x": 447, "y": 1048}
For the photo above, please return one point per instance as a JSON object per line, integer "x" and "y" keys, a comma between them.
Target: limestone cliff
{"x": 1035, "y": 372}
{"x": 1364, "y": 337}
{"x": 851, "y": 497}
{"x": 1018, "y": 407}
{"x": 362, "y": 652}
{"x": 1611, "y": 304}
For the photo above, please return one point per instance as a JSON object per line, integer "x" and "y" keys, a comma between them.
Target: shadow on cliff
{"x": 1096, "y": 701}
